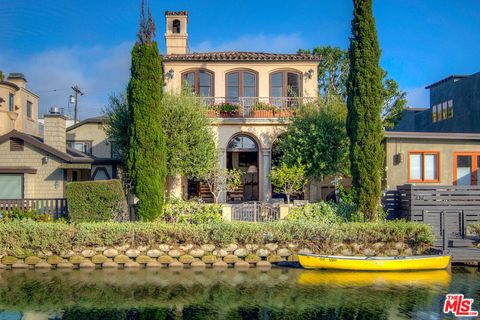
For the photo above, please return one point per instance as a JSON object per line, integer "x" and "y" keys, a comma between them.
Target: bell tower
{"x": 176, "y": 36}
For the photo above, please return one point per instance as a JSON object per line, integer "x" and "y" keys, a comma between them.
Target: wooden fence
{"x": 449, "y": 210}
{"x": 57, "y": 208}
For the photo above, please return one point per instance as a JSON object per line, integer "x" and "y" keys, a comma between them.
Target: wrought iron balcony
{"x": 254, "y": 107}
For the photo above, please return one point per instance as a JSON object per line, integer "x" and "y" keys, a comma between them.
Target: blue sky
{"x": 87, "y": 42}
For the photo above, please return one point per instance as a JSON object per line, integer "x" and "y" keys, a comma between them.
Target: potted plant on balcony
{"x": 228, "y": 110}
{"x": 263, "y": 110}
{"x": 283, "y": 112}
{"x": 212, "y": 111}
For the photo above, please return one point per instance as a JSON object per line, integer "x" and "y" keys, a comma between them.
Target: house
{"x": 439, "y": 145}
{"x": 18, "y": 106}
{"x": 32, "y": 167}
{"x": 250, "y": 97}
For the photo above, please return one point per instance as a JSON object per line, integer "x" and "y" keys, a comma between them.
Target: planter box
{"x": 212, "y": 114}
{"x": 262, "y": 113}
{"x": 283, "y": 114}
{"x": 232, "y": 114}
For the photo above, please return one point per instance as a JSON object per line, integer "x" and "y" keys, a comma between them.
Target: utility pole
{"x": 76, "y": 91}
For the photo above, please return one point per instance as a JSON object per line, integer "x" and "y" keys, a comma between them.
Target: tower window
{"x": 176, "y": 26}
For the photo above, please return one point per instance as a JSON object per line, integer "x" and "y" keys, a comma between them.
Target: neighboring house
{"x": 439, "y": 145}
{"x": 265, "y": 89}
{"x": 36, "y": 168}
{"x": 89, "y": 137}
{"x": 454, "y": 107}
{"x": 18, "y": 106}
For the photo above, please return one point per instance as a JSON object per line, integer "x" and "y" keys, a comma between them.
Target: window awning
{"x": 18, "y": 170}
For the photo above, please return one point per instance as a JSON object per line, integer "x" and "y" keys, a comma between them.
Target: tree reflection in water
{"x": 229, "y": 294}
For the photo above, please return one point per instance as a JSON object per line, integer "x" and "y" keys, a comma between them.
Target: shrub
{"x": 475, "y": 229}
{"x": 325, "y": 212}
{"x": 178, "y": 210}
{"x": 23, "y": 237}
{"x": 90, "y": 201}
{"x": 18, "y": 214}
{"x": 318, "y": 212}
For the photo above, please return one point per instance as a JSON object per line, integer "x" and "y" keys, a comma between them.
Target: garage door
{"x": 11, "y": 186}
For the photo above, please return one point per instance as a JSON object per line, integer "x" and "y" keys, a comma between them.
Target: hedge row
{"x": 96, "y": 201}
{"x": 25, "y": 237}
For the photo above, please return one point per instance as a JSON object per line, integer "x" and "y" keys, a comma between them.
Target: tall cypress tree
{"x": 364, "y": 124}
{"x": 147, "y": 156}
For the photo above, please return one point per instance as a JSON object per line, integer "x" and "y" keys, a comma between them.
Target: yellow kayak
{"x": 314, "y": 261}
{"x": 365, "y": 278}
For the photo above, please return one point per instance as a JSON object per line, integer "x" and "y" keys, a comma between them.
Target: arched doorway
{"x": 242, "y": 154}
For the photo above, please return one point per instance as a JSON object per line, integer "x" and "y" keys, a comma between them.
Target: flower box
{"x": 262, "y": 113}
{"x": 283, "y": 113}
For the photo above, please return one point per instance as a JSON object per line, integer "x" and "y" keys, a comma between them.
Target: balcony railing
{"x": 254, "y": 107}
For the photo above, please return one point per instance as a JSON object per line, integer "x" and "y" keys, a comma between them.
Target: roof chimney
{"x": 54, "y": 130}
{"x": 18, "y": 79}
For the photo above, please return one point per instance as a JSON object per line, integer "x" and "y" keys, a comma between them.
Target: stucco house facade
{"x": 439, "y": 145}
{"x": 264, "y": 89}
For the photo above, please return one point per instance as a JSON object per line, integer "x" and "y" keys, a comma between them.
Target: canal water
{"x": 231, "y": 294}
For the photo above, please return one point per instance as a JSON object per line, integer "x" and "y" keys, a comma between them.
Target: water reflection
{"x": 229, "y": 294}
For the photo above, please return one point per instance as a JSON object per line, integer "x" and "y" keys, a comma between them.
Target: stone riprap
{"x": 186, "y": 255}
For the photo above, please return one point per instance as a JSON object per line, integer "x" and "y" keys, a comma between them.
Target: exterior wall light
{"x": 45, "y": 159}
{"x": 170, "y": 74}
{"x": 309, "y": 73}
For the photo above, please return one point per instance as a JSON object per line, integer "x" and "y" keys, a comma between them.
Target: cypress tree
{"x": 364, "y": 125}
{"x": 147, "y": 155}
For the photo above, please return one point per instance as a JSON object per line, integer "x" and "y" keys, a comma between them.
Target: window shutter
{"x": 16, "y": 144}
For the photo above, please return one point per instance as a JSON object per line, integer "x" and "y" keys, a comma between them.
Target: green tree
{"x": 394, "y": 102}
{"x": 190, "y": 144}
{"x": 220, "y": 180}
{"x": 333, "y": 71}
{"x": 147, "y": 157}
{"x": 117, "y": 124}
{"x": 289, "y": 180}
{"x": 317, "y": 139}
{"x": 1, "y": 76}
{"x": 364, "y": 102}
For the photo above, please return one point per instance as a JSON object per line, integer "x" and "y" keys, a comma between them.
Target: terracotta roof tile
{"x": 176, "y": 13}
{"x": 240, "y": 56}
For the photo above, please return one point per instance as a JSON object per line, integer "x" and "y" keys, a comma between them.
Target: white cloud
{"x": 418, "y": 97}
{"x": 98, "y": 71}
{"x": 283, "y": 43}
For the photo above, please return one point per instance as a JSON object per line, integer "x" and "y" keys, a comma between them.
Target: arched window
{"x": 241, "y": 84}
{"x": 176, "y": 26}
{"x": 242, "y": 143}
{"x": 285, "y": 84}
{"x": 201, "y": 82}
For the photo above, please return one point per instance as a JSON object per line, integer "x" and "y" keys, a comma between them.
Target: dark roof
{"x": 71, "y": 156}
{"x": 17, "y": 75}
{"x": 432, "y": 135}
{"x": 241, "y": 56}
{"x": 176, "y": 13}
{"x": 11, "y": 84}
{"x": 98, "y": 119}
{"x": 453, "y": 76}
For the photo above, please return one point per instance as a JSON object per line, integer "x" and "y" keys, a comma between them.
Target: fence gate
{"x": 255, "y": 211}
